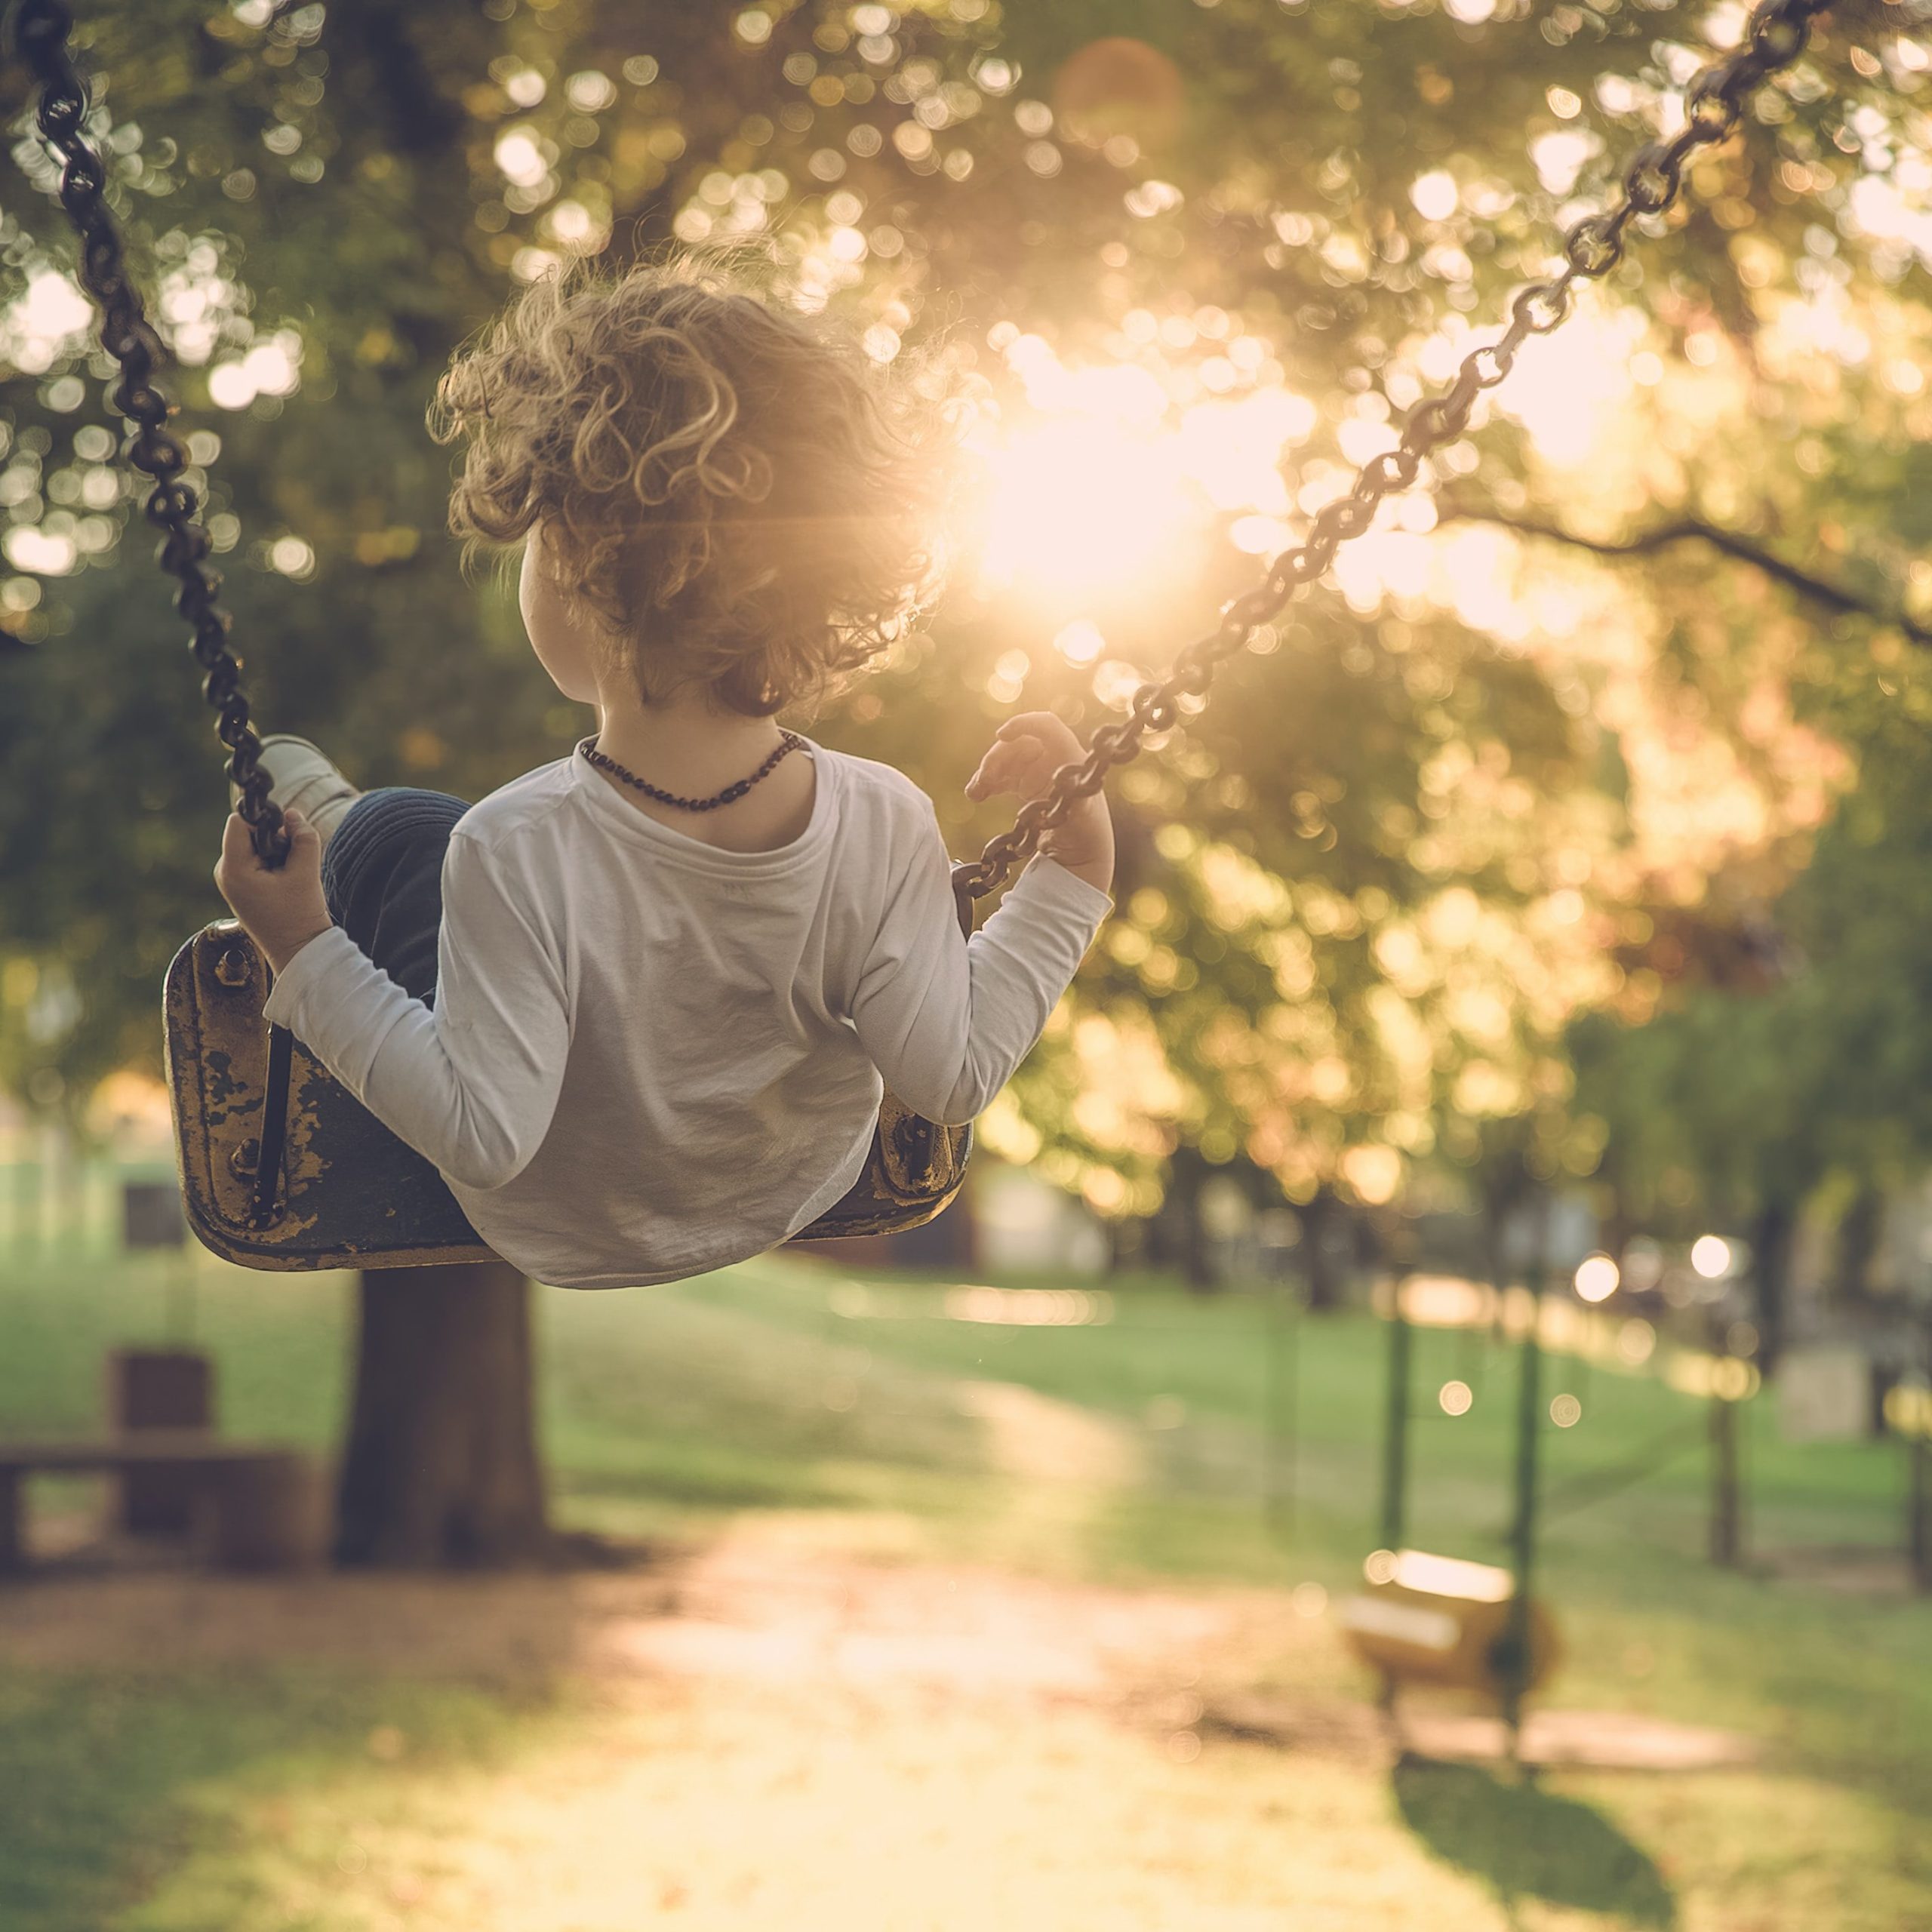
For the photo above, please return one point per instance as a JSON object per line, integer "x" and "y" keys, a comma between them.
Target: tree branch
{"x": 1832, "y": 597}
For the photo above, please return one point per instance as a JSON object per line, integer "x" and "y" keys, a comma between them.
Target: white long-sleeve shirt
{"x": 649, "y": 1057}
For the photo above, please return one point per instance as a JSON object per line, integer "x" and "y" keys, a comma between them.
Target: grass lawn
{"x": 948, "y": 1615}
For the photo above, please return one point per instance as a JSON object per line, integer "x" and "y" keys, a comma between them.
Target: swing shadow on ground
{"x": 1525, "y": 1842}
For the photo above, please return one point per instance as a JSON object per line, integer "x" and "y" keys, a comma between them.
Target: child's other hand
{"x": 1024, "y": 756}
{"x": 283, "y": 909}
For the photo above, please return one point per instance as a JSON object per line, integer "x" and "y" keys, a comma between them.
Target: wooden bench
{"x": 260, "y": 1506}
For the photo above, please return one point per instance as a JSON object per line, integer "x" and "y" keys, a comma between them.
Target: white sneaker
{"x": 302, "y": 778}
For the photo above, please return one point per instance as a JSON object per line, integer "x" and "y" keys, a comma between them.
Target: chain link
{"x": 1775, "y": 36}
{"x": 40, "y": 29}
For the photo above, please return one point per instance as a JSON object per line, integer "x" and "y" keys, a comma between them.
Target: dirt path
{"x": 769, "y": 1606}
{"x": 770, "y": 1734}
{"x": 778, "y": 1734}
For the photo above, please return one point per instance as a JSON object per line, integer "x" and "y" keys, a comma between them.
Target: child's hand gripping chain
{"x": 283, "y": 909}
{"x": 1026, "y": 752}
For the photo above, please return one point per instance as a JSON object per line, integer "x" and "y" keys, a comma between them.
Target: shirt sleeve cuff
{"x": 322, "y": 953}
{"x": 1046, "y": 878}
{"x": 339, "y": 1004}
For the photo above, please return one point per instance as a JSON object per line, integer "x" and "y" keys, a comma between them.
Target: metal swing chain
{"x": 40, "y": 29}
{"x": 1775, "y": 36}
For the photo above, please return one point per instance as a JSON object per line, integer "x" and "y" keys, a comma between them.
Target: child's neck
{"x": 684, "y": 744}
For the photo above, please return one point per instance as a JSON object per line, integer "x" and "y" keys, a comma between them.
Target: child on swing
{"x": 637, "y": 1005}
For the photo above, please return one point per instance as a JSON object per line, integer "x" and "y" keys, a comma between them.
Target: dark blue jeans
{"x": 383, "y": 877}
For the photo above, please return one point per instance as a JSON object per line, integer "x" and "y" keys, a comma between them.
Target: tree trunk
{"x": 441, "y": 1469}
{"x": 1773, "y": 1233}
{"x": 1323, "y": 1249}
{"x": 1192, "y": 1250}
{"x": 1126, "y": 1245}
{"x": 1858, "y": 1233}
{"x": 1172, "y": 1237}
{"x": 1620, "y": 1225}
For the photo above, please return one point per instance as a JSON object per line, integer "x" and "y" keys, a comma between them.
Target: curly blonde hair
{"x": 737, "y": 493}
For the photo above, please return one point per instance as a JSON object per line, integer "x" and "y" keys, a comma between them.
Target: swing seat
{"x": 350, "y": 1194}
{"x": 1440, "y": 1621}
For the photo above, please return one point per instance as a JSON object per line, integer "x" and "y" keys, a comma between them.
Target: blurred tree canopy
{"x": 1522, "y": 791}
